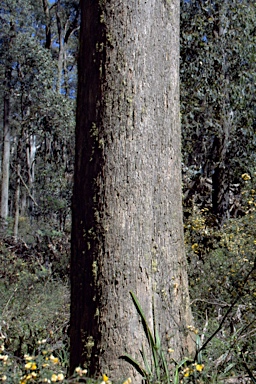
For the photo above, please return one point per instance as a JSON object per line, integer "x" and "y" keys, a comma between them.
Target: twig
{"x": 25, "y": 185}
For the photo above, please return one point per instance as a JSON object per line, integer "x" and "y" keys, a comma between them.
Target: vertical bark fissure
{"x": 83, "y": 305}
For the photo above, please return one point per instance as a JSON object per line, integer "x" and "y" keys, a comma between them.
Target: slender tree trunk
{"x": 220, "y": 177}
{"x": 31, "y": 155}
{"x": 127, "y": 232}
{"x": 17, "y": 205}
{"x": 6, "y": 155}
{"x": 48, "y": 37}
{"x": 61, "y": 57}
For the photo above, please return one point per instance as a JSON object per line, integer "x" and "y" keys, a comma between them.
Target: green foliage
{"x": 34, "y": 306}
{"x": 42, "y": 114}
{"x": 43, "y": 366}
{"x": 222, "y": 272}
{"x": 218, "y": 75}
{"x": 34, "y": 319}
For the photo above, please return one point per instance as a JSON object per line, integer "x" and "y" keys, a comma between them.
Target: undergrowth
{"x": 34, "y": 304}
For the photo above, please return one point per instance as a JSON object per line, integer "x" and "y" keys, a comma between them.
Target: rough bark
{"x": 127, "y": 232}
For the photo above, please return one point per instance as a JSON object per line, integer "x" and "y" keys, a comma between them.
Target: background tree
{"x": 127, "y": 229}
{"x": 217, "y": 98}
{"x": 38, "y": 104}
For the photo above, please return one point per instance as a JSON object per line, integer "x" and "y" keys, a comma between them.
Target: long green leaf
{"x": 146, "y": 363}
{"x": 147, "y": 331}
{"x": 150, "y": 337}
{"x": 135, "y": 364}
{"x": 176, "y": 376}
{"x": 198, "y": 348}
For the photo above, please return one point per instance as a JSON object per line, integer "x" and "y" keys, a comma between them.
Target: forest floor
{"x": 35, "y": 300}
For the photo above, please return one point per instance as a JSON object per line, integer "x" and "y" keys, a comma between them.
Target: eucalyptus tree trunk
{"x": 31, "y": 157}
{"x": 6, "y": 151}
{"x": 127, "y": 232}
{"x": 17, "y": 205}
{"x": 61, "y": 54}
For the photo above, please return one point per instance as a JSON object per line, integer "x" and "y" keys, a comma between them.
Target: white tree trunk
{"x": 6, "y": 160}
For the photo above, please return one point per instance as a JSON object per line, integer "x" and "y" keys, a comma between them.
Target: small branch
{"x": 25, "y": 185}
{"x": 205, "y": 328}
{"x": 211, "y": 302}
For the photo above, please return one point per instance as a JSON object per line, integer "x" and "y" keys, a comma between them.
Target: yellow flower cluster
{"x": 105, "y": 379}
{"x": 192, "y": 329}
{"x": 4, "y": 358}
{"x": 128, "y": 381}
{"x": 190, "y": 370}
{"x": 246, "y": 177}
{"x": 32, "y": 366}
{"x": 81, "y": 371}
{"x": 59, "y": 377}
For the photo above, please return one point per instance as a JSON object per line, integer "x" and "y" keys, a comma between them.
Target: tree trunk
{"x": 17, "y": 205}
{"x": 31, "y": 156}
{"x": 127, "y": 232}
{"x": 6, "y": 153}
{"x": 48, "y": 37}
{"x": 220, "y": 177}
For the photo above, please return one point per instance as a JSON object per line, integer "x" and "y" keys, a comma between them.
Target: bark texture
{"x": 127, "y": 232}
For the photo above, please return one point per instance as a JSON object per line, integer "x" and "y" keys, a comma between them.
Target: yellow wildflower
{"x": 81, "y": 371}
{"x": 128, "y": 381}
{"x": 60, "y": 377}
{"x": 195, "y": 247}
{"x": 54, "y": 378}
{"x": 4, "y": 378}
{"x": 186, "y": 372}
{"x": 199, "y": 367}
{"x": 28, "y": 358}
{"x": 192, "y": 329}
{"x": 105, "y": 379}
{"x": 31, "y": 365}
{"x": 54, "y": 359}
{"x": 246, "y": 176}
